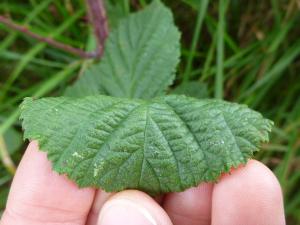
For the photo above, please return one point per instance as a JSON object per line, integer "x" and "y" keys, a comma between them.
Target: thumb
{"x": 132, "y": 208}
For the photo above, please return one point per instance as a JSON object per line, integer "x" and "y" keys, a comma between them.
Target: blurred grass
{"x": 244, "y": 51}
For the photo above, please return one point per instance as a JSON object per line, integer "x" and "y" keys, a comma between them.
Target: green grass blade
{"x": 276, "y": 71}
{"x": 202, "y": 9}
{"x": 48, "y": 86}
{"x": 223, "y": 4}
{"x": 32, "y": 15}
{"x": 34, "y": 51}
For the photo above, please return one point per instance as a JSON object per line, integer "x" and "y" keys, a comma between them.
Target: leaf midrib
{"x": 111, "y": 135}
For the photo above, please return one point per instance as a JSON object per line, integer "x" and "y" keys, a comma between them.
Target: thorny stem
{"x": 47, "y": 40}
{"x": 98, "y": 20}
{"x": 5, "y": 157}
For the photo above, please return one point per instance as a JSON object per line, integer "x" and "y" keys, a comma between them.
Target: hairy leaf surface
{"x": 140, "y": 57}
{"x": 162, "y": 145}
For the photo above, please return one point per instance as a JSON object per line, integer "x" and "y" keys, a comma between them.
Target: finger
{"x": 132, "y": 208}
{"x": 191, "y": 207}
{"x": 40, "y": 196}
{"x": 250, "y": 195}
{"x": 100, "y": 198}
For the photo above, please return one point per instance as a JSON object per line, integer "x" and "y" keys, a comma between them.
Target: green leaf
{"x": 88, "y": 84}
{"x": 194, "y": 89}
{"x": 115, "y": 13}
{"x": 140, "y": 56}
{"x": 161, "y": 145}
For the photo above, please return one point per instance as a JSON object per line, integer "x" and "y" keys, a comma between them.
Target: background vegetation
{"x": 242, "y": 51}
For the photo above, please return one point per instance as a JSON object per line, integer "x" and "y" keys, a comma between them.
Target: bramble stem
{"x": 98, "y": 20}
{"x": 48, "y": 40}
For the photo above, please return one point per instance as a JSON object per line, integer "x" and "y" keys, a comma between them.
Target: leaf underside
{"x": 140, "y": 57}
{"x": 166, "y": 144}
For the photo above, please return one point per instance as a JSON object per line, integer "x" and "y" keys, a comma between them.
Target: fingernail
{"x": 123, "y": 211}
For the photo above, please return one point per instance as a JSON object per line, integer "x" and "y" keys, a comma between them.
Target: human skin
{"x": 249, "y": 195}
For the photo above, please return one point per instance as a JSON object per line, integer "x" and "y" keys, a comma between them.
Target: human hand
{"x": 251, "y": 195}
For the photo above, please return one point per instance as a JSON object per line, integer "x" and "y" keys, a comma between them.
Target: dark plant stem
{"x": 48, "y": 40}
{"x": 98, "y": 20}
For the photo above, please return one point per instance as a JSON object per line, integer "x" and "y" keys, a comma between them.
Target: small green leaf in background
{"x": 194, "y": 89}
{"x": 161, "y": 145}
{"x": 140, "y": 56}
